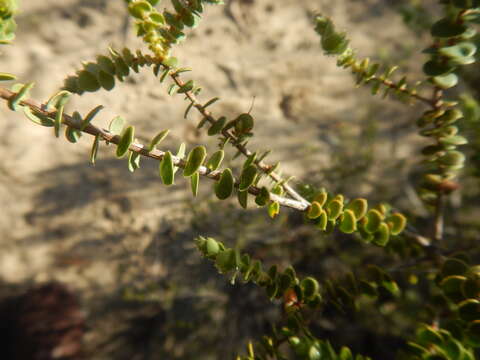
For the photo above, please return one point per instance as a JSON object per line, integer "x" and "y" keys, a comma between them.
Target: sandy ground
{"x": 101, "y": 229}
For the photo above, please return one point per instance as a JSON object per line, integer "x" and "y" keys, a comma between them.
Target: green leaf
{"x": 217, "y": 126}
{"x": 263, "y": 197}
{"x": 374, "y": 219}
{"x": 215, "y": 160}
{"x": 445, "y": 81}
{"x": 382, "y": 235}
{"x": 194, "y": 160}
{"x": 334, "y": 209}
{"x": 473, "y": 333}
{"x": 243, "y": 198}
{"x": 106, "y": 65}
{"x": 454, "y": 266}
{"x": 116, "y": 125}
{"x": 273, "y": 209}
{"x": 121, "y": 68}
{"x": 94, "y": 151}
{"x": 39, "y": 119}
{"x": 139, "y": 9}
{"x": 133, "y": 161}
{"x": 171, "y": 89}
{"x": 58, "y": 99}
{"x": 445, "y": 28}
{"x": 72, "y": 134}
{"x": 14, "y": 101}
{"x": 310, "y": 287}
{"x": 212, "y": 247}
{"x": 452, "y": 287}
{"x": 244, "y": 123}
{"x": 90, "y": 116}
{"x": 397, "y": 223}
{"x": 58, "y": 120}
{"x": 180, "y": 154}
{"x": 225, "y": 260}
{"x": 188, "y": 86}
{"x": 194, "y": 181}
{"x": 187, "y": 110}
{"x": 454, "y": 140}
{"x": 87, "y": 81}
{"x": 460, "y": 50}
{"x": 170, "y": 62}
{"x": 452, "y": 158}
{"x": 106, "y": 80}
{"x": 435, "y": 68}
{"x": 334, "y": 43}
{"x": 322, "y": 221}
{"x": 359, "y": 208}
{"x": 166, "y": 169}
{"x": 158, "y": 139}
{"x": 428, "y": 335}
{"x": 210, "y": 102}
{"x": 321, "y": 198}
{"x": 247, "y": 177}
{"x": 314, "y": 210}
{"x": 345, "y": 354}
{"x": 348, "y": 223}
{"x": 224, "y": 186}
{"x": 125, "y": 141}
{"x": 469, "y": 310}
{"x": 6, "y": 77}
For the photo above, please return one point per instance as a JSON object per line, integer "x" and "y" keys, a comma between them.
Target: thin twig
{"x": 141, "y": 149}
{"x": 233, "y": 139}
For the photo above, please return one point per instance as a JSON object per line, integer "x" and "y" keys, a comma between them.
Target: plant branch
{"x": 141, "y": 149}
{"x": 233, "y": 139}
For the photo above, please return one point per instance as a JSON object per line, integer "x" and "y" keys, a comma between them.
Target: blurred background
{"x": 119, "y": 246}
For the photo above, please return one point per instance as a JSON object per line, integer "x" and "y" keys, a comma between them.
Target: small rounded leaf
{"x": 125, "y": 141}
{"x": 166, "y": 169}
{"x": 445, "y": 28}
{"x": 247, "y": 177}
{"x": 469, "y": 310}
{"x": 224, "y": 186}
{"x": 322, "y": 221}
{"x": 382, "y": 235}
{"x": 314, "y": 210}
{"x": 445, "y": 81}
{"x": 244, "y": 123}
{"x": 348, "y": 224}
{"x": 321, "y": 198}
{"x": 334, "y": 209}
{"x": 359, "y": 207}
{"x": 310, "y": 287}
{"x": 88, "y": 81}
{"x": 215, "y": 160}
{"x": 211, "y": 247}
{"x": 273, "y": 209}
{"x": 217, "y": 126}
{"x": 157, "y": 139}
{"x": 374, "y": 219}
{"x": 194, "y": 160}
{"x": 116, "y": 125}
{"x": 397, "y": 223}
{"x": 106, "y": 80}
{"x": 263, "y": 197}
